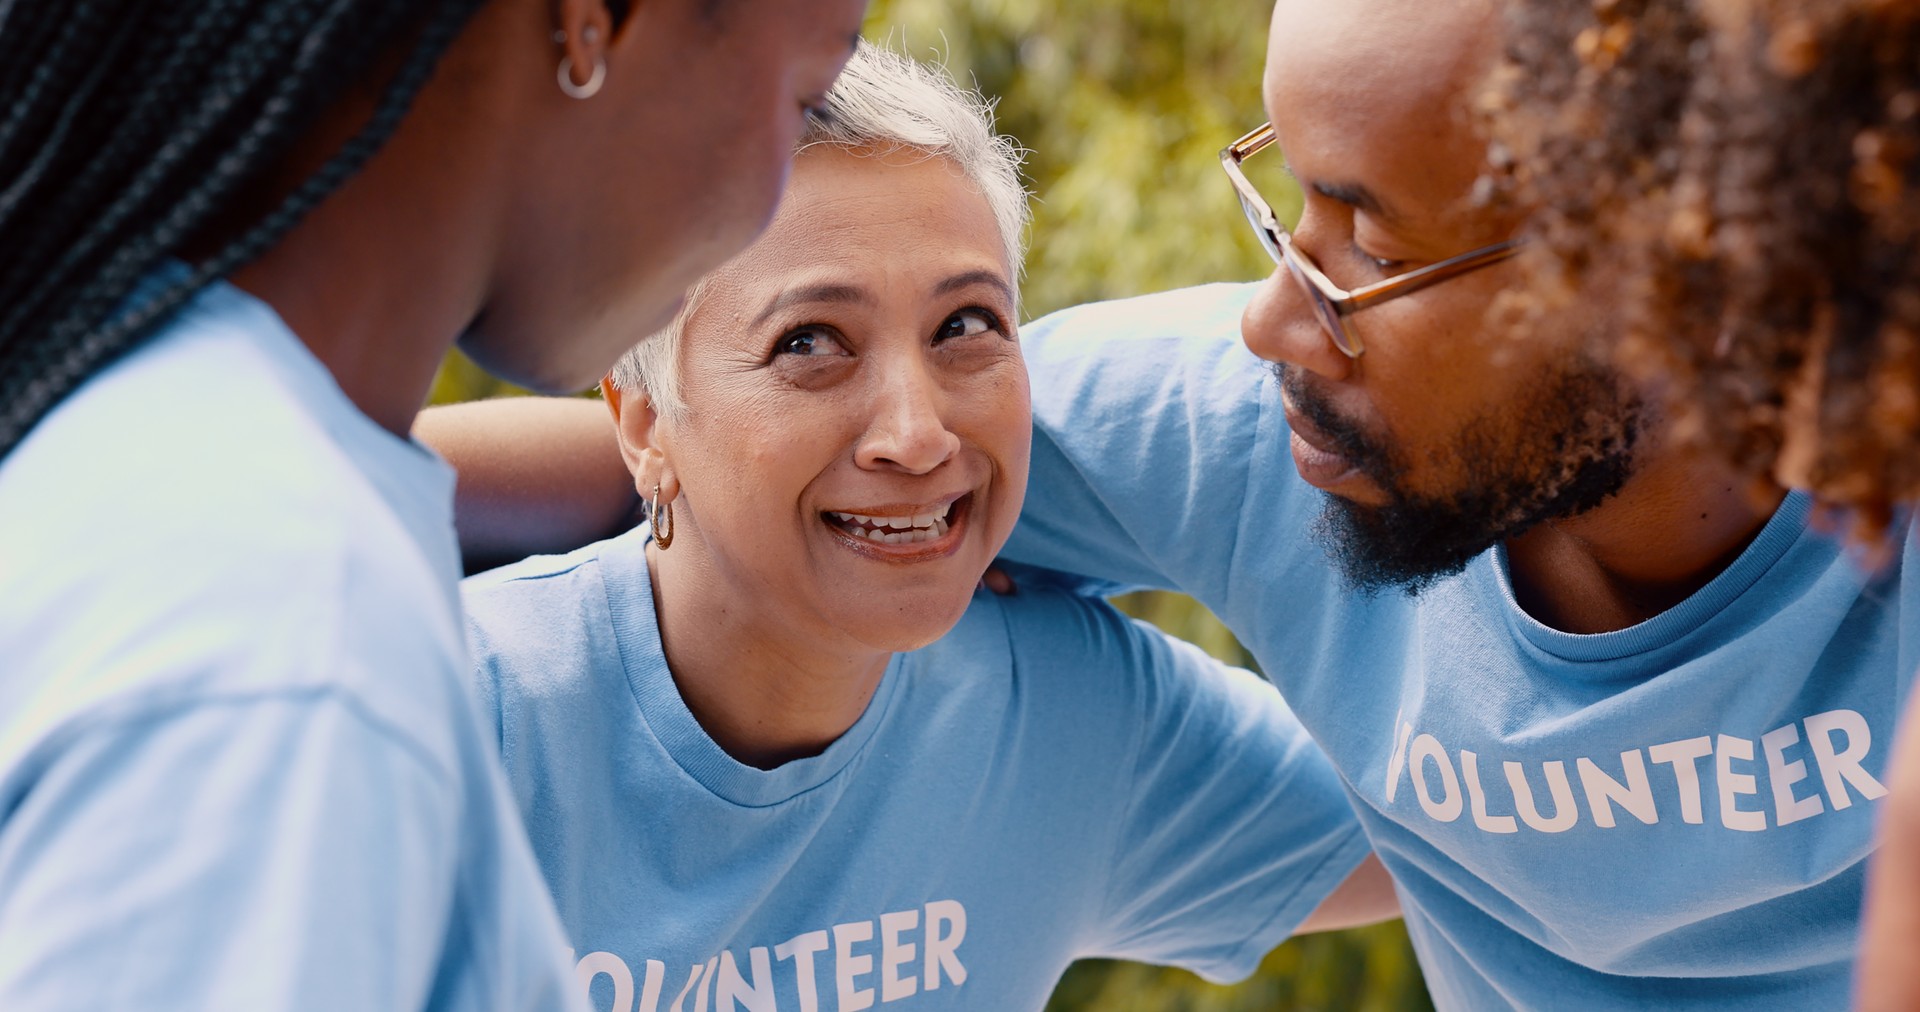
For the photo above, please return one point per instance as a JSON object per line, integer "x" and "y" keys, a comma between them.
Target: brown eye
{"x": 809, "y": 342}
{"x": 967, "y": 323}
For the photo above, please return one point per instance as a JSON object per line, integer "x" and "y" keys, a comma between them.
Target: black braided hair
{"x": 126, "y": 127}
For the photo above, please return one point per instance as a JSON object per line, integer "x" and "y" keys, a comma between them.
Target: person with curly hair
{"x": 1614, "y": 710}
{"x": 1743, "y": 181}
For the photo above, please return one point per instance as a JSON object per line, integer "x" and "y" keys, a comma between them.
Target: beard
{"x": 1559, "y": 452}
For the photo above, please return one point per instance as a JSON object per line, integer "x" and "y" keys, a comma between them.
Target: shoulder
{"x": 543, "y": 625}
{"x": 1170, "y": 365}
{"x": 521, "y": 602}
{"x": 181, "y": 527}
{"x": 1204, "y": 310}
{"x": 1086, "y": 650}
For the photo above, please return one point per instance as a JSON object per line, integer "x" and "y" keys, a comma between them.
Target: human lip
{"x": 903, "y": 531}
{"x": 1318, "y": 465}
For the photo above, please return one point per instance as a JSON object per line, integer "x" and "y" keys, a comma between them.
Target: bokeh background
{"x": 1124, "y": 106}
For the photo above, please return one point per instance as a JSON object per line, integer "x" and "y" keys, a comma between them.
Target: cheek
{"x": 999, "y": 420}
{"x": 772, "y": 446}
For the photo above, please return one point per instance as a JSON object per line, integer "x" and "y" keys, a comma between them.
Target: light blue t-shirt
{"x": 1675, "y": 815}
{"x": 1046, "y": 782}
{"x": 240, "y": 764}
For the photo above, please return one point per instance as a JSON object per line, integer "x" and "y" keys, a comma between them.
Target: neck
{"x": 380, "y": 329}
{"x": 765, "y": 693}
{"x": 1679, "y": 522}
{"x": 384, "y": 274}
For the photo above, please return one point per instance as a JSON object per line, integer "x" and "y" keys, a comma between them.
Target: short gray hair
{"x": 883, "y": 103}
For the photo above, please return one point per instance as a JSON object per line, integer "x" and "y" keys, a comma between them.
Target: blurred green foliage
{"x": 1124, "y": 106}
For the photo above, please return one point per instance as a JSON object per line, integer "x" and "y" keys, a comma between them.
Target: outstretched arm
{"x": 537, "y": 474}
{"x": 1366, "y": 897}
{"x": 1889, "y": 975}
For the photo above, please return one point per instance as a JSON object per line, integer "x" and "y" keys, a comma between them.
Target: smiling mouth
{"x": 913, "y": 530}
{"x": 895, "y": 530}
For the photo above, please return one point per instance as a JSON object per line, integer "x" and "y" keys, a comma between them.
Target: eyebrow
{"x": 812, "y": 294}
{"x": 807, "y": 295}
{"x": 968, "y": 279}
{"x": 1353, "y": 195}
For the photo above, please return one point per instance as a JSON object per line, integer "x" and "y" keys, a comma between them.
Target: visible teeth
{"x": 885, "y": 533}
{"x": 910, "y": 529}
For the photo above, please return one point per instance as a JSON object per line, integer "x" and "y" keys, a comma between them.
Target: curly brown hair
{"x": 1738, "y": 182}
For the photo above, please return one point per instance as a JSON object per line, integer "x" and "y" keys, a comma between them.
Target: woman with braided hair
{"x": 238, "y": 764}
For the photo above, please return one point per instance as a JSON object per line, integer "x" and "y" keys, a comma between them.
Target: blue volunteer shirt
{"x": 240, "y": 766}
{"x": 1046, "y": 782}
{"x": 1675, "y": 815}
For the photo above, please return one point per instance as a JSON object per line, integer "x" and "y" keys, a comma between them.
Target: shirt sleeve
{"x": 262, "y": 852}
{"x": 1225, "y": 825}
{"x": 1147, "y": 414}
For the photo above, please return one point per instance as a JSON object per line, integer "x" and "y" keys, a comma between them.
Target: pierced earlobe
{"x": 594, "y": 80}
{"x": 662, "y": 518}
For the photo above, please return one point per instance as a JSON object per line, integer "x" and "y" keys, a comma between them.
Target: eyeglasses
{"x": 1332, "y": 304}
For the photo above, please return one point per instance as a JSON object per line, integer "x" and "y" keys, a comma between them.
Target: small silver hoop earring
{"x": 662, "y": 517}
{"x": 594, "y": 80}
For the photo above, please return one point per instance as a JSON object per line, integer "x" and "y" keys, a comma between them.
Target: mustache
{"x": 1349, "y": 439}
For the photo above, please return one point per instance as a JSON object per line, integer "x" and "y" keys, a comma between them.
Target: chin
{"x": 917, "y": 624}
{"x": 544, "y": 367}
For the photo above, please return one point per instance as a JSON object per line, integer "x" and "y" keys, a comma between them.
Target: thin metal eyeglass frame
{"x": 1332, "y": 304}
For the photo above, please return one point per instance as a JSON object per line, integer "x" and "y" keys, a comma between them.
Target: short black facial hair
{"x": 1577, "y": 433}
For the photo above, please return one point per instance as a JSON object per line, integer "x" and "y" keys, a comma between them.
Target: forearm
{"x": 537, "y": 474}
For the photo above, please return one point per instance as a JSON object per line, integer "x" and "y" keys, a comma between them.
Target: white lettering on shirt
{"x": 1603, "y": 791}
{"x": 1424, "y": 749}
{"x": 801, "y": 949}
{"x": 847, "y": 966}
{"x": 593, "y": 964}
{"x": 1782, "y": 775}
{"x": 895, "y": 954}
{"x": 943, "y": 945}
{"x": 1839, "y": 741}
{"x": 1477, "y": 797}
{"x": 1398, "y": 760}
{"x": 1564, "y": 814}
{"x": 1734, "y": 784}
{"x": 732, "y": 992}
{"x": 1837, "y": 769}
{"x": 1684, "y": 756}
{"x": 694, "y": 978}
{"x": 913, "y": 959}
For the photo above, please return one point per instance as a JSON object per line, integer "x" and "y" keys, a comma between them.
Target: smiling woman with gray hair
{"x": 775, "y": 751}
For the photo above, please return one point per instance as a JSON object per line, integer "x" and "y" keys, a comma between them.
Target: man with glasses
{"x": 1615, "y": 719}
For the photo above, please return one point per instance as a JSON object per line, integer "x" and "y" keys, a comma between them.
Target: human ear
{"x": 639, "y": 429}
{"x": 582, "y": 30}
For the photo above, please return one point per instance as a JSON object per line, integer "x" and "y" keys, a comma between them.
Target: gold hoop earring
{"x": 594, "y": 80}
{"x": 662, "y": 521}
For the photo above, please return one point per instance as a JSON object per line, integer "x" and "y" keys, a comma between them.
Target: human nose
{"x": 908, "y": 432}
{"x": 1279, "y": 325}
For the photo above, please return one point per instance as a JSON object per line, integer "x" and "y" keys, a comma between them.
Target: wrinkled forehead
{"x": 1382, "y": 88}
